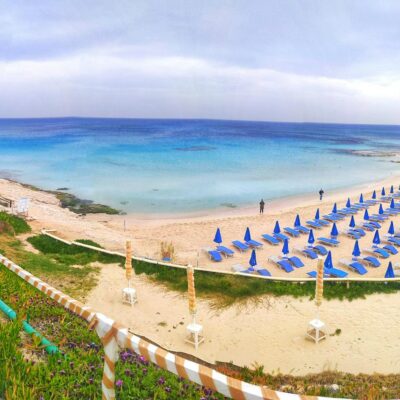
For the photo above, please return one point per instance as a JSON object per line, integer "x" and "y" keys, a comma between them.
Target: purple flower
{"x": 91, "y": 380}
{"x": 119, "y": 383}
{"x": 128, "y": 372}
{"x": 161, "y": 381}
{"x": 62, "y": 372}
{"x": 167, "y": 389}
{"x": 71, "y": 364}
{"x": 144, "y": 371}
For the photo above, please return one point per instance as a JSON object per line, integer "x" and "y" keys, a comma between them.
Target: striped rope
{"x": 319, "y": 288}
{"x": 114, "y": 336}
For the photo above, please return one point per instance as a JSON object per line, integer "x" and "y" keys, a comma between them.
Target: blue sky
{"x": 327, "y": 61}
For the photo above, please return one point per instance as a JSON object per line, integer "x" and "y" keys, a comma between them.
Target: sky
{"x": 282, "y": 60}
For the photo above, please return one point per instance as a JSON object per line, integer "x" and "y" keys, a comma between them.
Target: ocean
{"x": 172, "y": 166}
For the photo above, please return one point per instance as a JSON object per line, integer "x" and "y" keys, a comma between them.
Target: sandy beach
{"x": 270, "y": 331}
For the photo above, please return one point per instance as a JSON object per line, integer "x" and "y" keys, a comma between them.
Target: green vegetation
{"x": 17, "y": 224}
{"x": 26, "y": 373}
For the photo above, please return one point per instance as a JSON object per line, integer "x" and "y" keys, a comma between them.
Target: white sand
{"x": 272, "y": 333}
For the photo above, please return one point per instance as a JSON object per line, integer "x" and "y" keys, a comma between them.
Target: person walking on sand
{"x": 321, "y": 193}
{"x": 262, "y": 206}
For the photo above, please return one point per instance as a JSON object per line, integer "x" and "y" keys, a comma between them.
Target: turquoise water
{"x": 189, "y": 165}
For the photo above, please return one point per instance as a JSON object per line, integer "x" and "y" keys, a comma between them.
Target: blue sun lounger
{"x": 348, "y": 211}
{"x": 355, "y": 266}
{"x": 215, "y": 255}
{"x": 391, "y": 249}
{"x": 372, "y": 261}
{"x": 329, "y": 242}
{"x": 282, "y": 263}
{"x": 308, "y": 252}
{"x": 330, "y": 273}
{"x": 368, "y": 226}
{"x": 281, "y": 237}
{"x": 240, "y": 246}
{"x": 254, "y": 244}
{"x": 292, "y": 232}
{"x": 378, "y": 218}
{"x": 241, "y": 269}
{"x": 270, "y": 239}
{"x": 394, "y": 240}
{"x": 302, "y": 229}
{"x": 314, "y": 224}
{"x": 295, "y": 261}
{"x": 262, "y": 271}
{"x": 360, "y": 231}
{"x": 379, "y": 252}
{"x": 333, "y": 217}
{"x": 375, "y": 224}
{"x": 353, "y": 234}
{"x": 320, "y": 249}
{"x": 225, "y": 251}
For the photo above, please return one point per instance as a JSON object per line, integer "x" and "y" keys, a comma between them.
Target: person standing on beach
{"x": 262, "y": 206}
{"x": 321, "y": 193}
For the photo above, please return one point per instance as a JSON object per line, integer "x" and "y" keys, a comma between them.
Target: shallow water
{"x": 190, "y": 165}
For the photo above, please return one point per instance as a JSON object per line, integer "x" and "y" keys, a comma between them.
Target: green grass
{"x": 18, "y": 224}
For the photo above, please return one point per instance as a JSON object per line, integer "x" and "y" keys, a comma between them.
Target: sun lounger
{"x": 333, "y": 218}
{"x": 282, "y": 263}
{"x": 254, "y": 244}
{"x": 371, "y": 202}
{"x": 377, "y": 218}
{"x": 292, "y": 232}
{"x": 240, "y": 246}
{"x": 330, "y": 273}
{"x": 364, "y": 205}
{"x": 348, "y": 211}
{"x": 394, "y": 240}
{"x": 375, "y": 224}
{"x": 371, "y": 261}
{"x": 378, "y": 252}
{"x": 270, "y": 239}
{"x": 329, "y": 242}
{"x": 355, "y": 266}
{"x": 214, "y": 255}
{"x": 322, "y": 222}
{"x": 295, "y": 261}
{"x": 368, "y": 226}
{"x": 302, "y": 229}
{"x": 360, "y": 231}
{"x": 308, "y": 252}
{"x": 225, "y": 251}
{"x": 241, "y": 269}
{"x": 281, "y": 237}
{"x": 314, "y": 224}
{"x": 320, "y": 249}
{"x": 391, "y": 249}
{"x": 262, "y": 271}
{"x": 353, "y": 234}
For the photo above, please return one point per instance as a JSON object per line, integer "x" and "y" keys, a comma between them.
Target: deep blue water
{"x": 187, "y": 165}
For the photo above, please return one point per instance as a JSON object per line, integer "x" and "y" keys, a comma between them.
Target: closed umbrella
{"x": 348, "y": 204}
{"x": 334, "y": 231}
{"x": 247, "y": 235}
{"x": 253, "y": 259}
{"x": 392, "y": 205}
{"x": 366, "y": 215}
{"x": 297, "y": 221}
{"x": 381, "y": 210}
{"x": 383, "y": 193}
{"x": 285, "y": 249}
{"x": 277, "y": 228}
{"x": 328, "y": 261}
{"x": 356, "y": 251}
{"x": 376, "y": 239}
{"x": 317, "y": 214}
{"x": 311, "y": 239}
{"x": 391, "y": 228}
{"x": 374, "y": 195}
{"x": 361, "y": 198}
{"x": 334, "y": 209}
{"x": 352, "y": 223}
{"x": 391, "y": 189}
{"x": 389, "y": 272}
{"x": 218, "y": 236}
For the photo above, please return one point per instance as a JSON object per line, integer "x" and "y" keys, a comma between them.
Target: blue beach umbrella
{"x": 352, "y": 223}
{"x": 391, "y": 189}
{"x": 253, "y": 258}
{"x": 218, "y": 237}
{"x": 361, "y": 198}
{"x": 311, "y": 239}
{"x": 374, "y": 195}
{"x": 317, "y": 214}
{"x": 297, "y": 220}
{"x": 334, "y": 209}
{"x": 381, "y": 210}
{"x": 391, "y": 228}
{"x": 383, "y": 193}
{"x": 285, "y": 248}
{"x": 277, "y": 228}
{"x": 389, "y": 271}
{"x": 376, "y": 239}
{"x": 392, "y": 205}
{"x": 328, "y": 261}
{"x": 247, "y": 235}
{"x": 348, "y": 204}
{"x": 334, "y": 231}
{"x": 356, "y": 251}
{"x": 366, "y": 215}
